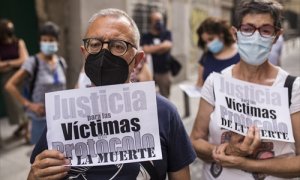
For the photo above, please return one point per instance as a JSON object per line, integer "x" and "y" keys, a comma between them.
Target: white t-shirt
{"x": 268, "y": 149}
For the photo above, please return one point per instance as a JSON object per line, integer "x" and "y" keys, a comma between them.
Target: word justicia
{"x": 115, "y": 103}
{"x": 249, "y": 92}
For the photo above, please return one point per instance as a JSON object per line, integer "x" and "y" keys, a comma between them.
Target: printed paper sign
{"x": 241, "y": 104}
{"x": 104, "y": 125}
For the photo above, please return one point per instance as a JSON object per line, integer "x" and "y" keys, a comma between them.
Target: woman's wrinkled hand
{"x": 244, "y": 145}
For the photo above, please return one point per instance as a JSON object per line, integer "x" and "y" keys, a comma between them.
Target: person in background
{"x": 158, "y": 43}
{"x": 220, "y": 50}
{"x": 111, "y": 51}
{"x": 13, "y": 53}
{"x": 50, "y": 76}
{"x": 276, "y": 51}
{"x": 228, "y": 155}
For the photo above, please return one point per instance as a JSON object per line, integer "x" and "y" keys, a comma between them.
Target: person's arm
{"x": 11, "y": 87}
{"x": 286, "y": 167}
{"x": 161, "y": 48}
{"x": 12, "y": 84}
{"x": 182, "y": 174}
{"x": 50, "y": 164}
{"x": 4, "y": 66}
{"x": 199, "y": 135}
{"x": 23, "y": 55}
{"x": 200, "y": 76}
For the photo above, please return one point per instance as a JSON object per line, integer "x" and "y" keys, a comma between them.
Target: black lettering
{"x": 229, "y": 102}
{"x": 125, "y": 126}
{"x": 123, "y": 155}
{"x": 78, "y": 160}
{"x": 265, "y": 113}
{"x": 83, "y": 133}
{"x": 67, "y": 131}
{"x": 132, "y": 154}
{"x": 93, "y": 129}
{"x": 273, "y": 114}
{"x": 111, "y": 127}
{"x": 76, "y": 133}
{"x": 135, "y": 124}
{"x": 103, "y": 158}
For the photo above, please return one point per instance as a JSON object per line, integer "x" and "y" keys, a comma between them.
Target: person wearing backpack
{"x": 44, "y": 72}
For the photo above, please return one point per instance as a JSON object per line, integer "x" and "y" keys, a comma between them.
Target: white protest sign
{"x": 241, "y": 104}
{"x": 104, "y": 125}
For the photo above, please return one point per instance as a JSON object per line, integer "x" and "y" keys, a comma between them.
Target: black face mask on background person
{"x": 104, "y": 68}
{"x": 159, "y": 26}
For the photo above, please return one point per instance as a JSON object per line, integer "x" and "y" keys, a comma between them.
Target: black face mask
{"x": 159, "y": 26}
{"x": 104, "y": 68}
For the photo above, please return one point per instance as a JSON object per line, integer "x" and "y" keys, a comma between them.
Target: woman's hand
{"x": 225, "y": 160}
{"x": 243, "y": 145}
{"x": 37, "y": 108}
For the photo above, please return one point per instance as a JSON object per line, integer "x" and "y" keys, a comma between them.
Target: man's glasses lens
{"x": 93, "y": 46}
{"x": 116, "y": 47}
{"x": 264, "y": 31}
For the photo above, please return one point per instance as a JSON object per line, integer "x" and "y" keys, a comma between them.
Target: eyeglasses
{"x": 116, "y": 47}
{"x": 264, "y": 31}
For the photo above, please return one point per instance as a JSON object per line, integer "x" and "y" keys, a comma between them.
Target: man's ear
{"x": 139, "y": 57}
{"x": 83, "y": 52}
{"x": 233, "y": 32}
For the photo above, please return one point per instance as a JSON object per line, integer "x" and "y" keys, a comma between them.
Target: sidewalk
{"x": 14, "y": 154}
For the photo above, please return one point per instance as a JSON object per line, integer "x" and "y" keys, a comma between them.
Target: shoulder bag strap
{"x": 32, "y": 82}
{"x": 289, "y": 81}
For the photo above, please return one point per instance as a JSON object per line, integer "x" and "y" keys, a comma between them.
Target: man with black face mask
{"x": 111, "y": 49}
{"x": 158, "y": 43}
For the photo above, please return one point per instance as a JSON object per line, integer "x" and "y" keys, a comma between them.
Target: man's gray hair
{"x": 117, "y": 14}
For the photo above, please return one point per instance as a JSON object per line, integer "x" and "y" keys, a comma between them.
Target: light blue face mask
{"x": 48, "y": 48}
{"x": 215, "y": 46}
{"x": 254, "y": 49}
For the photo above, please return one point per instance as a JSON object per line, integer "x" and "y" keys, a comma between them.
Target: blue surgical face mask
{"x": 215, "y": 46}
{"x": 254, "y": 49}
{"x": 48, "y": 48}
